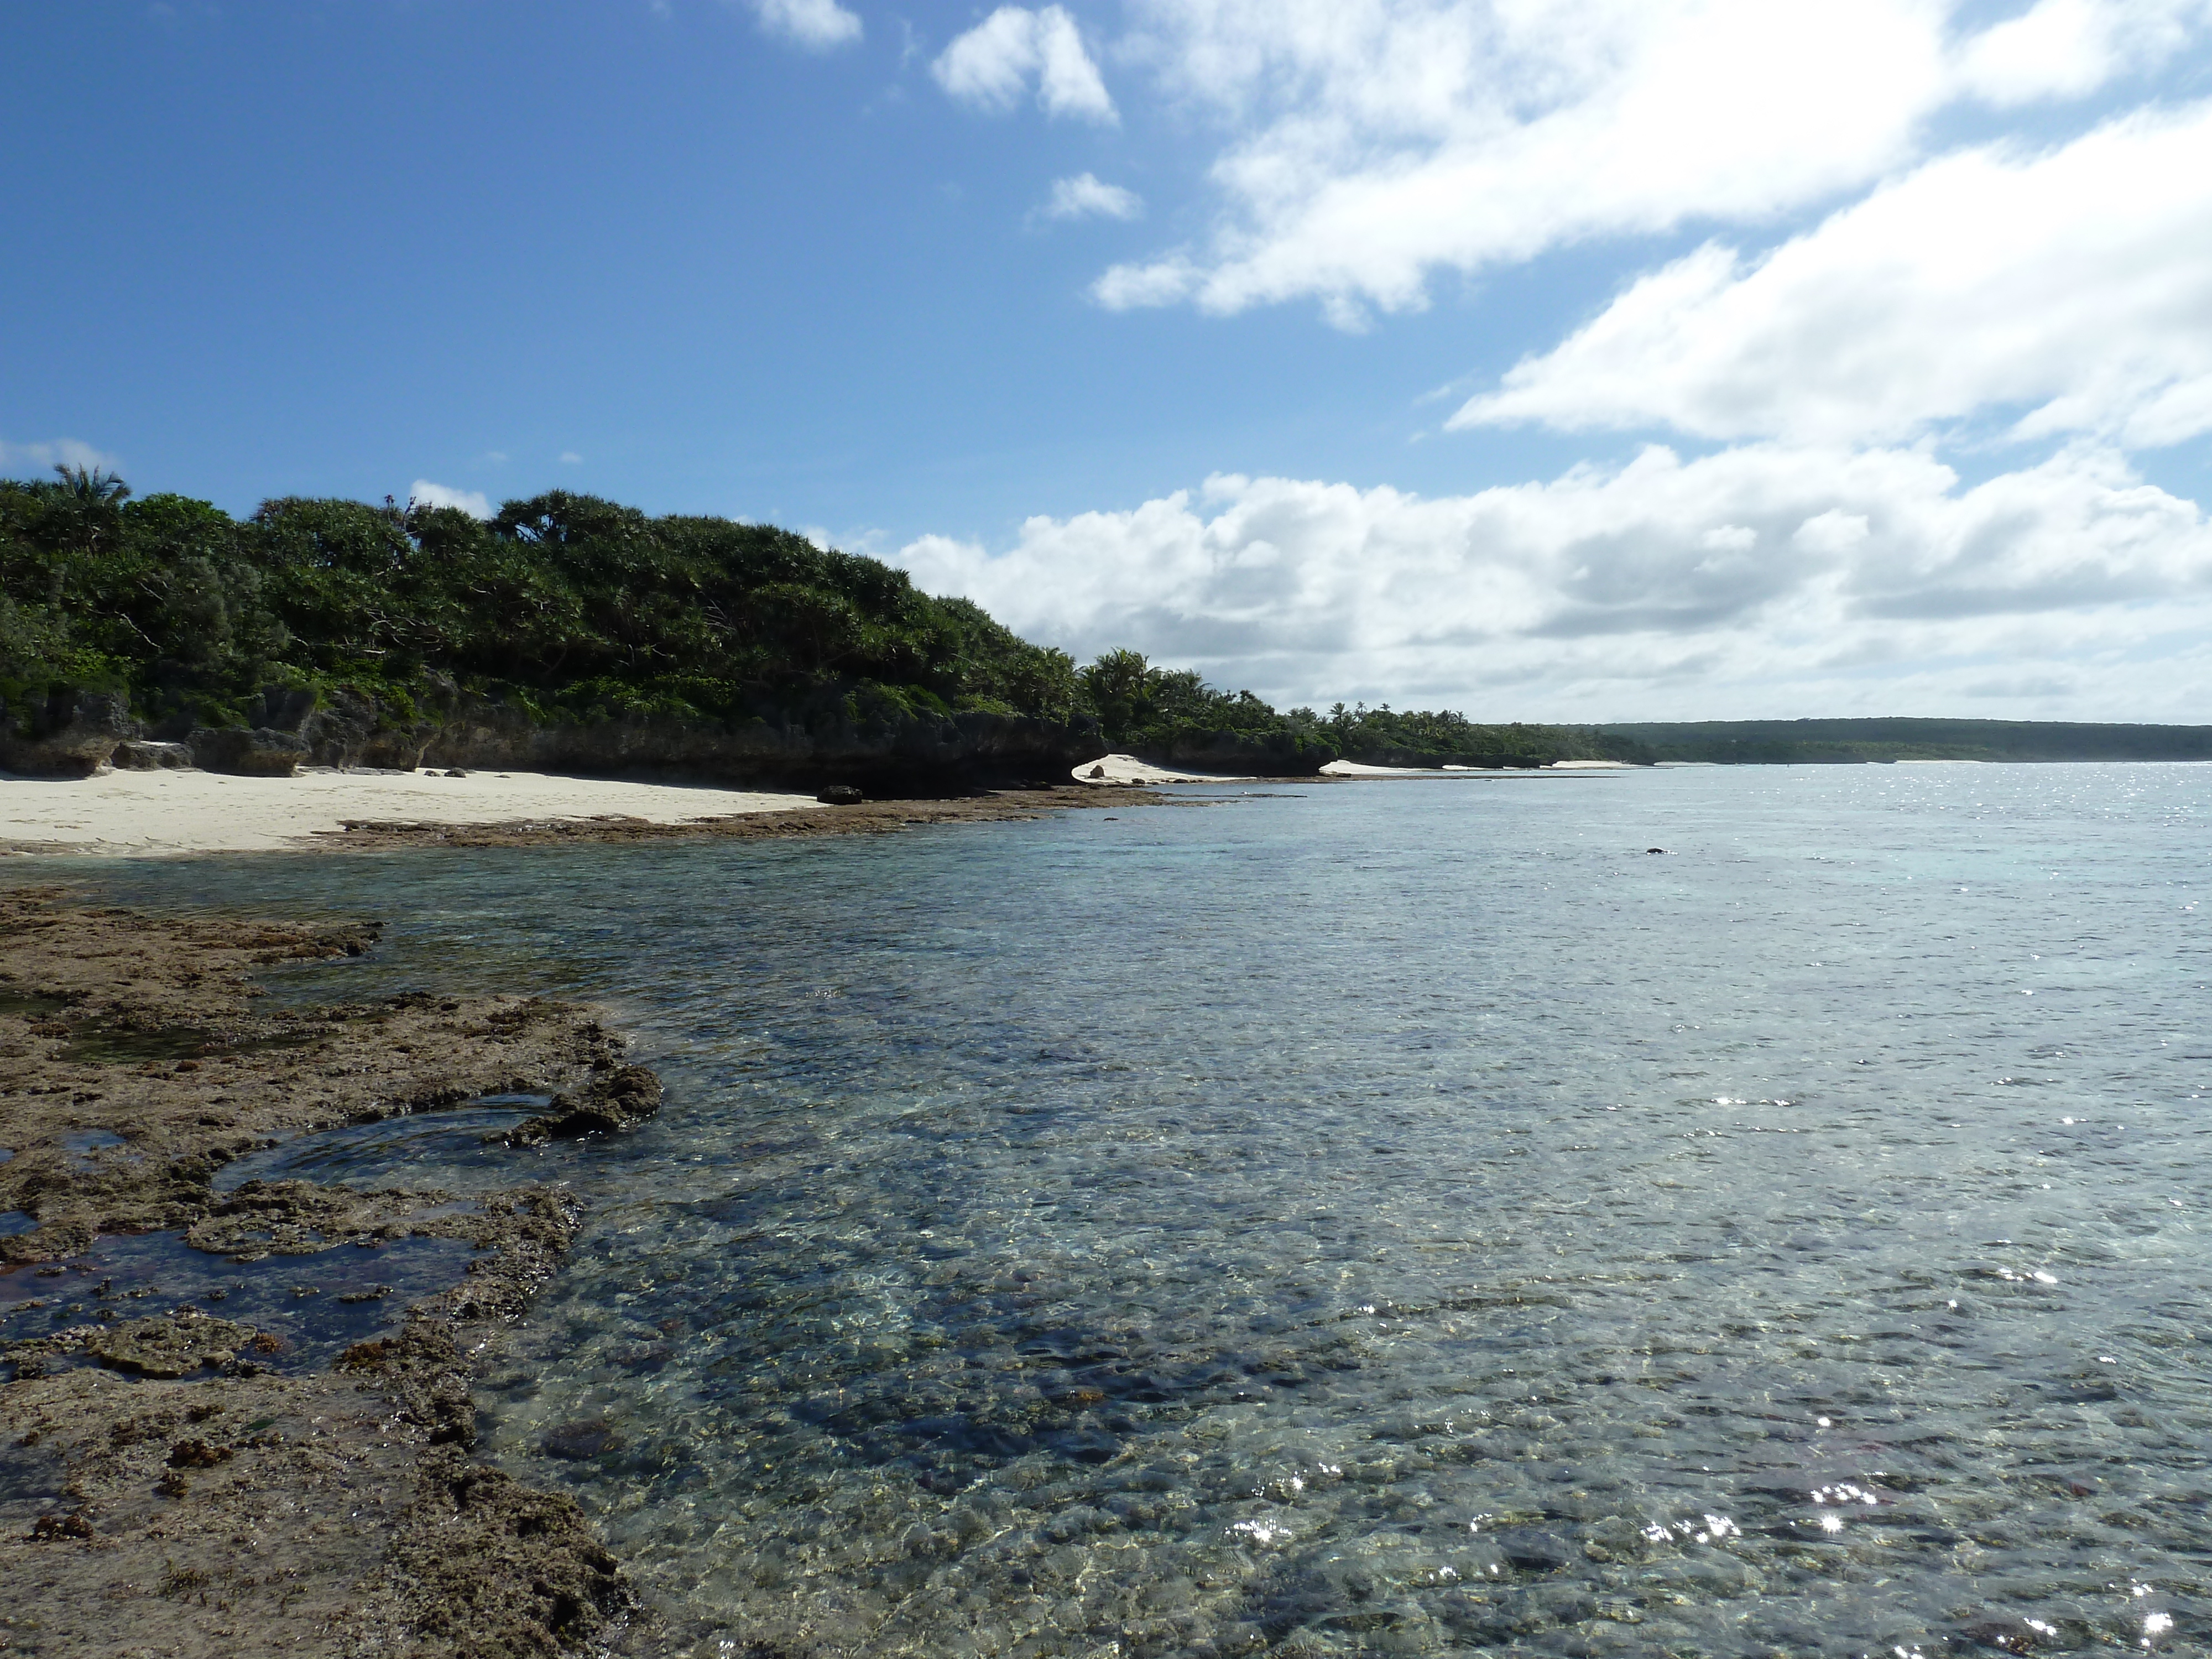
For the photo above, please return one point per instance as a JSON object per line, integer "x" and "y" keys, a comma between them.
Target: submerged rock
{"x": 578, "y": 1442}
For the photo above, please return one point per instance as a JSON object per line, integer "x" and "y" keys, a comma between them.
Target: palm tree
{"x": 92, "y": 498}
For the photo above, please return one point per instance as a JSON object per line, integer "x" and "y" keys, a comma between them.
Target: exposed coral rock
{"x": 171, "y": 1347}
{"x": 621, "y": 1099}
{"x": 512, "y": 1572}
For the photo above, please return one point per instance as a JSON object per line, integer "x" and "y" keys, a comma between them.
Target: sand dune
{"x": 1127, "y": 769}
{"x": 155, "y": 814}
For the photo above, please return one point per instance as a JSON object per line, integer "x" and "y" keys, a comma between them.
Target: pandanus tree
{"x": 91, "y": 498}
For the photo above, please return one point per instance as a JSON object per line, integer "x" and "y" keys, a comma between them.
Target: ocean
{"x": 1701, "y": 1212}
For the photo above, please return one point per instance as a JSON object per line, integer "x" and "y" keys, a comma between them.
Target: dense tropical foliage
{"x": 573, "y": 609}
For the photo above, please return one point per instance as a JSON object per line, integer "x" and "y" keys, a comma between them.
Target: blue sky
{"x": 1864, "y": 354}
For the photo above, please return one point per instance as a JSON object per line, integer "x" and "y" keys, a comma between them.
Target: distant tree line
{"x": 573, "y": 609}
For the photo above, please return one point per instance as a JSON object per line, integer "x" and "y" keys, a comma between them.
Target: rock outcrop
{"x": 71, "y": 734}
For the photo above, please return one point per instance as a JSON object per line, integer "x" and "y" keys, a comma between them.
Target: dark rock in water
{"x": 611, "y": 1102}
{"x": 841, "y": 794}
{"x": 144, "y": 754}
{"x": 576, "y": 1441}
{"x": 71, "y": 734}
{"x": 2009, "y": 1635}
{"x": 262, "y": 752}
{"x": 455, "y": 772}
{"x": 1532, "y": 1549}
{"x": 1655, "y": 849}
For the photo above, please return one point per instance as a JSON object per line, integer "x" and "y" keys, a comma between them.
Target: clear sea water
{"x": 1403, "y": 1217}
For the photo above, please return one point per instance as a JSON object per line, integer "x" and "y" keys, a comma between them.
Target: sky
{"x": 1542, "y": 359}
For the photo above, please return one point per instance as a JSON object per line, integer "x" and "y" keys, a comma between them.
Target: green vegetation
{"x": 567, "y": 610}
{"x": 1856, "y": 741}
{"x": 569, "y": 607}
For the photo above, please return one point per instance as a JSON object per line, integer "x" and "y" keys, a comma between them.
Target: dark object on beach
{"x": 576, "y": 1441}
{"x": 455, "y": 772}
{"x": 47, "y": 1528}
{"x": 1098, "y": 772}
{"x": 841, "y": 794}
{"x": 1655, "y": 849}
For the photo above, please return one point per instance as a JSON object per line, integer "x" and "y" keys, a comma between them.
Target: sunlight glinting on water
{"x": 1397, "y": 1218}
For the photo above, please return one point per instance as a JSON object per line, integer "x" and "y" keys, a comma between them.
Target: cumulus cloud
{"x": 993, "y": 65}
{"x": 817, "y": 25}
{"x": 2068, "y": 48}
{"x": 1085, "y": 196}
{"x": 2073, "y": 286}
{"x": 1372, "y": 142}
{"x": 58, "y": 452}
{"x": 426, "y": 494}
{"x": 1766, "y": 579}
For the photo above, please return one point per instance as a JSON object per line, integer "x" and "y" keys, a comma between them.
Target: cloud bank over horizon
{"x": 1764, "y": 580}
{"x": 1874, "y": 317}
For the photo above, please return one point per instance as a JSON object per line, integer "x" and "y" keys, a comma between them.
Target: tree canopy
{"x": 574, "y": 609}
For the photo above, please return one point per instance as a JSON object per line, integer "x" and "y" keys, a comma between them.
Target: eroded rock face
{"x": 70, "y": 734}
{"x": 145, "y": 755}
{"x": 262, "y": 752}
{"x": 175, "y": 1346}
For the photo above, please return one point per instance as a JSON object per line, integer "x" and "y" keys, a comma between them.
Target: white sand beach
{"x": 155, "y": 814}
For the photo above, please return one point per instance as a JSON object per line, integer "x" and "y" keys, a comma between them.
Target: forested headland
{"x": 572, "y": 633}
{"x": 1846, "y": 742}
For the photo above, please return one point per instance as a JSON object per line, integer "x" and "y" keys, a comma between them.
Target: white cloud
{"x": 2076, "y": 285}
{"x": 2067, "y": 48}
{"x": 1372, "y": 142}
{"x": 426, "y": 494}
{"x": 1086, "y": 194}
{"x": 570, "y": 457}
{"x": 1763, "y": 579}
{"x": 59, "y": 452}
{"x": 817, "y": 25}
{"x": 991, "y": 66}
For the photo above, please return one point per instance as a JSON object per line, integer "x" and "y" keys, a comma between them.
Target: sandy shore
{"x": 155, "y": 814}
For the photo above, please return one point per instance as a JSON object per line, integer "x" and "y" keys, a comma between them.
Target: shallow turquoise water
{"x": 1400, "y": 1218}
